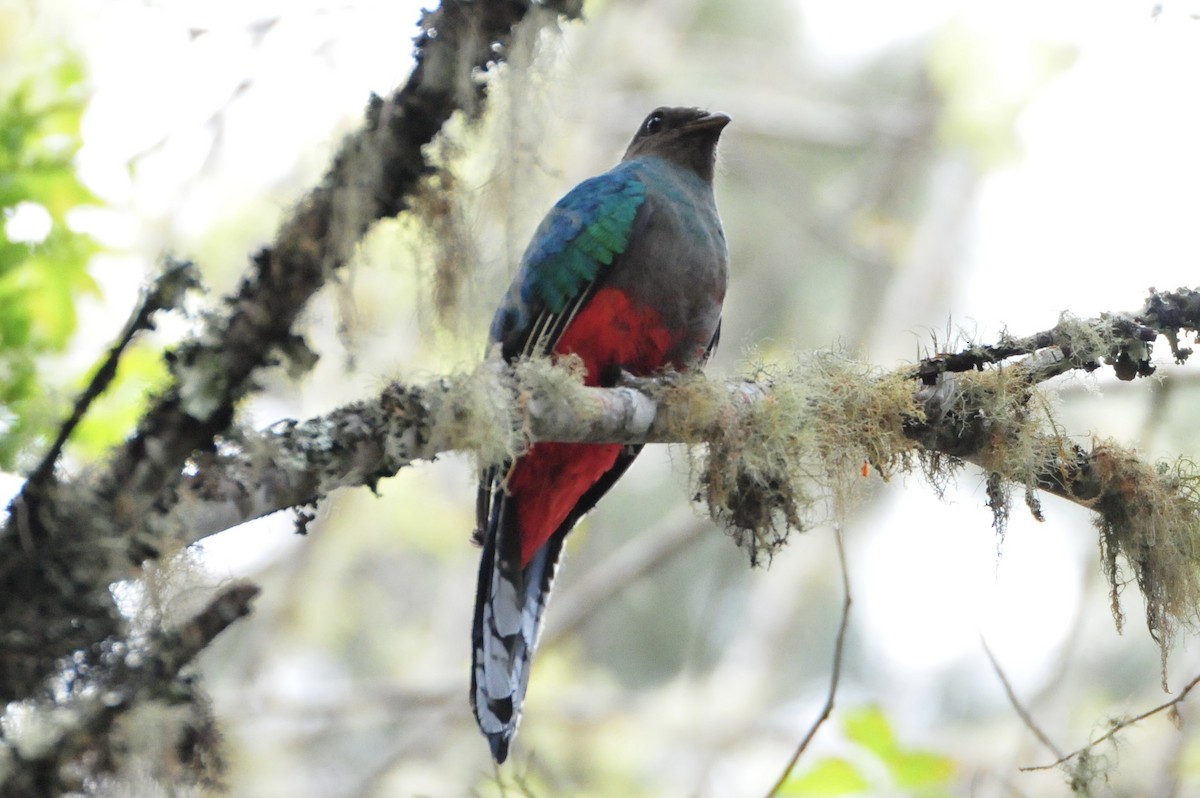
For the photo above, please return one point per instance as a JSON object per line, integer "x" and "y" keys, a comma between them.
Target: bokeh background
{"x": 898, "y": 177}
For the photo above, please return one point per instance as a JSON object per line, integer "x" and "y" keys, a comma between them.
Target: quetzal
{"x": 628, "y": 273}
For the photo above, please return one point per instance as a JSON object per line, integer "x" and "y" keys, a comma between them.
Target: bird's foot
{"x": 661, "y": 379}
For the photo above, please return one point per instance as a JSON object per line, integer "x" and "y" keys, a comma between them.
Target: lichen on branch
{"x": 798, "y": 452}
{"x": 60, "y": 554}
{"x": 788, "y": 446}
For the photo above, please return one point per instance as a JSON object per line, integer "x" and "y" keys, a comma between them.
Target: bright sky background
{"x": 1104, "y": 203}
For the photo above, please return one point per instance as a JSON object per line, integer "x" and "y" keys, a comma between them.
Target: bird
{"x": 628, "y": 273}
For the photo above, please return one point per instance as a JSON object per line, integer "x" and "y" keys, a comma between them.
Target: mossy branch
{"x": 45, "y": 737}
{"x": 1148, "y": 514}
{"x": 64, "y": 544}
{"x": 772, "y": 453}
{"x": 81, "y": 535}
{"x": 1123, "y": 340}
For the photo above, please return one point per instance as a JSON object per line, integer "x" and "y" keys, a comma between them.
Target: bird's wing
{"x": 569, "y": 255}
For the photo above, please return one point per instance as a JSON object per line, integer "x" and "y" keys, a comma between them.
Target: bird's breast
{"x": 613, "y": 332}
{"x": 677, "y": 265}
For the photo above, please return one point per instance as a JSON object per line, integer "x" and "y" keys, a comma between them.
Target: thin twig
{"x": 165, "y": 293}
{"x": 1023, "y": 713}
{"x": 626, "y": 565}
{"x": 1118, "y": 726}
{"x": 839, "y": 647}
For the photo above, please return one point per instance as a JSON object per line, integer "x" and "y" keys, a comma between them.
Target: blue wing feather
{"x": 582, "y": 234}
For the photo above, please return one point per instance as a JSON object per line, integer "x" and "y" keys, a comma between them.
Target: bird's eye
{"x": 654, "y": 123}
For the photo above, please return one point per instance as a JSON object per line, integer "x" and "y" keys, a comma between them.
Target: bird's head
{"x": 685, "y": 136}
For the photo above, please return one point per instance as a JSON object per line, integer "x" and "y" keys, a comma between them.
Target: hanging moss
{"x": 797, "y": 454}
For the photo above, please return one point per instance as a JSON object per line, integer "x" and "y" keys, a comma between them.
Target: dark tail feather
{"x": 510, "y": 602}
{"x": 510, "y": 606}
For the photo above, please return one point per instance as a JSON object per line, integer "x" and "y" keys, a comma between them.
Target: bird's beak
{"x": 709, "y": 122}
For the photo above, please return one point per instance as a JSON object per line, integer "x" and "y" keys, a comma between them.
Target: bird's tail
{"x": 509, "y": 609}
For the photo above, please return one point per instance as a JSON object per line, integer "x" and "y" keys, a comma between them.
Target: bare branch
{"x": 167, "y": 291}
{"x": 1117, "y": 726}
{"x": 626, "y": 565}
{"x": 61, "y": 555}
{"x": 1021, "y": 711}
{"x": 834, "y": 676}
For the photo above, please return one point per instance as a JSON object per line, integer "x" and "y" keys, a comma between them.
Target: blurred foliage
{"x": 43, "y": 261}
{"x": 113, "y": 416}
{"x": 880, "y": 764}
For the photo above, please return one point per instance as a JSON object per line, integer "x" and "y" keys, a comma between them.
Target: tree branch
{"x": 46, "y": 738}
{"x": 835, "y": 675}
{"x": 167, "y": 291}
{"x": 493, "y": 410}
{"x": 1116, "y": 726}
{"x": 1122, "y": 339}
{"x": 60, "y": 554}
{"x": 1017, "y": 706}
{"x": 499, "y": 412}
{"x": 774, "y": 450}
{"x": 372, "y": 177}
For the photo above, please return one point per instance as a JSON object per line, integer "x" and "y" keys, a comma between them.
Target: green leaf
{"x": 909, "y": 769}
{"x": 828, "y": 777}
{"x": 869, "y": 727}
{"x": 114, "y": 415}
{"x": 55, "y": 186}
{"x": 40, "y": 281}
{"x": 921, "y": 769}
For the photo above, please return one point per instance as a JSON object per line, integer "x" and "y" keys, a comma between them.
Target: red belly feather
{"x": 552, "y": 477}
